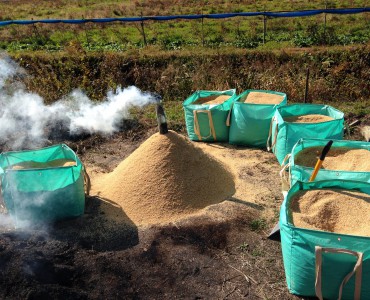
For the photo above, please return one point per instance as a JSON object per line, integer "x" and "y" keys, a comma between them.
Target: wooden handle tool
{"x": 320, "y": 160}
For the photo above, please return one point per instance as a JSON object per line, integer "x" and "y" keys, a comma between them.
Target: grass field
{"x": 183, "y": 56}
{"x": 174, "y": 35}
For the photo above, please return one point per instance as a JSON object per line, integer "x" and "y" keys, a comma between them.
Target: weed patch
{"x": 259, "y": 224}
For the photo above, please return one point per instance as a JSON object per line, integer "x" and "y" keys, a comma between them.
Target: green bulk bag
{"x": 44, "y": 191}
{"x": 303, "y": 173}
{"x": 250, "y": 122}
{"x": 284, "y": 135}
{"x": 321, "y": 257}
{"x": 207, "y": 122}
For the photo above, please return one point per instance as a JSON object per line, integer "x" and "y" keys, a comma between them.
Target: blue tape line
{"x": 280, "y": 14}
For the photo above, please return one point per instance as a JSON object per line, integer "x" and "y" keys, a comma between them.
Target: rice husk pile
{"x": 263, "y": 98}
{"x": 166, "y": 178}
{"x": 43, "y": 165}
{"x": 310, "y": 118}
{"x": 212, "y": 99}
{"x": 336, "y": 210}
{"x": 345, "y": 159}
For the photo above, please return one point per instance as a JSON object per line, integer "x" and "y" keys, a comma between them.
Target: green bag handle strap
{"x": 211, "y": 125}
{"x": 356, "y": 270}
{"x": 87, "y": 181}
{"x": 286, "y": 159}
{"x": 64, "y": 146}
{"x": 285, "y": 182}
{"x": 268, "y": 146}
{"x": 7, "y": 160}
{"x": 228, "y": 120}
{"x": 269, "y": 137}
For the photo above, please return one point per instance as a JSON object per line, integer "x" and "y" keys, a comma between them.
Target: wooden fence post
{"x": 306, "y": 89}
{"x": 143, "y": 30}
{"x": 202, "y": 30}
{"x": 264, "y": 28}
{"x": 86, "y": 32}
{"x": 36, "y": 30}
{"x": 326, "y": 7}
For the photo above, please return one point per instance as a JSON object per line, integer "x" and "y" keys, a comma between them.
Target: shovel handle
{"x": 320, "y": 160}
{"x": 325, "y": 150}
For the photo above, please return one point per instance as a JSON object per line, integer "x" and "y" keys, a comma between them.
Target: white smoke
{"x": 8, "y": 68}
{"x": 6, "y": 222}
{"x": 25, "y": 121}
{"x": 103, "y": 117}
{"x": 24, "y": 117}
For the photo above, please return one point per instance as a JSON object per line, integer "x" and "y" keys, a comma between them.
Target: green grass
{"x": 244, "y": 247}
{"x": 181, "y": 34}
{"x": 259, "y": 224}
{"x": 353, "y": 108}
{"x": 337, "y": 74}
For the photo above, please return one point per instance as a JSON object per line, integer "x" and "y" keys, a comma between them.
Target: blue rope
{"x": 280, "y": 14}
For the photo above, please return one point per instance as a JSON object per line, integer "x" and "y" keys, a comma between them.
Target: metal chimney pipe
{"x": 161, "y": 116}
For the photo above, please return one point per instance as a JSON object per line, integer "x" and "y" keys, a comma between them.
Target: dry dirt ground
{"x": 219, "y": 253}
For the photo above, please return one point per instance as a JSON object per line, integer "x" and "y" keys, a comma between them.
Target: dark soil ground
{"x": 223, "y": 253}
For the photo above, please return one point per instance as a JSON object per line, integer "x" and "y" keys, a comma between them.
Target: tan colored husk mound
{"x": 345, "y": 159}
{"x": 336, "y": 210}
{"x": 166, "y": 178}
{"x": 311, "y": 118}
{"x": 42, "y": 165}
{"x": 212, "y": 99}
{"x": 263, "y": 98}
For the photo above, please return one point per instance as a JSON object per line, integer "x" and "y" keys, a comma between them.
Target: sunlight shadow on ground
{"x": 103, "y": 227}
{"x": 250, "y": 204}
